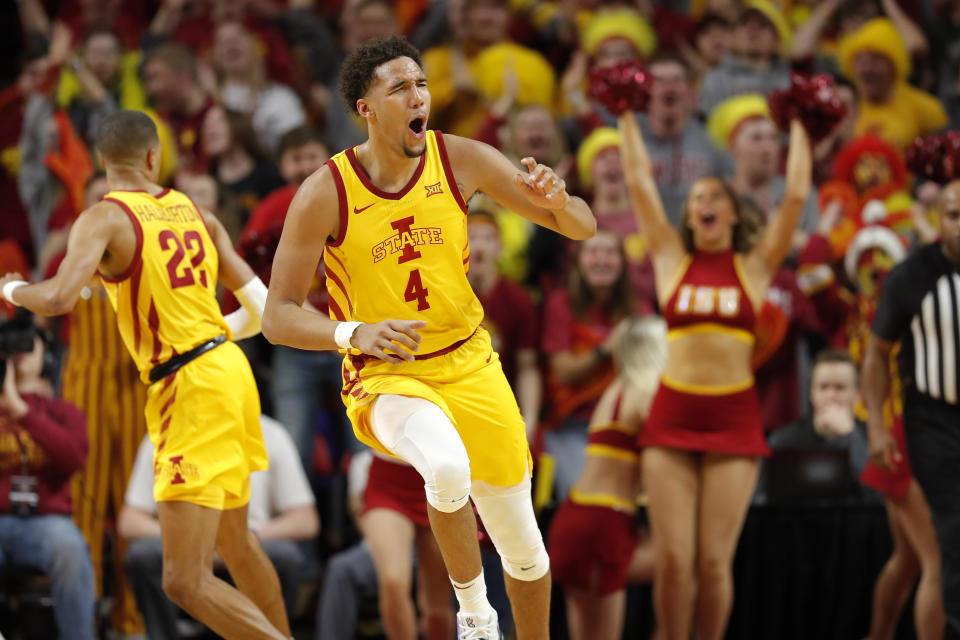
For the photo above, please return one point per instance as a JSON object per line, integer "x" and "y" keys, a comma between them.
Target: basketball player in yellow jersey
{"x": 160, "y": 258}
{"x": 421, "y": 381}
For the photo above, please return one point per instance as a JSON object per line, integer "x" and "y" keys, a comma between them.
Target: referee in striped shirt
{"x": 920, "y": 308}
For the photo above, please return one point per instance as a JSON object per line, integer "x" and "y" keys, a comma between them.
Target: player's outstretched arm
{"x": 88, "y": 241}
{"x": 538, "y": 194}
{"x": 237, "y": 276}
{"x": 313, "y": 217}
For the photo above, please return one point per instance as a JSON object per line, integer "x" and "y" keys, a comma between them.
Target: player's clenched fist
{"x": 390, "y": 340}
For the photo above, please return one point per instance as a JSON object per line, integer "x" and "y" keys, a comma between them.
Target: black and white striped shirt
{"x": 920, "y": 308}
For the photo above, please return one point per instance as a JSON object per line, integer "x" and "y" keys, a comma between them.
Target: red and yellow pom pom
{"x": 622, "y": 87}
{"x": 813, "y": 100}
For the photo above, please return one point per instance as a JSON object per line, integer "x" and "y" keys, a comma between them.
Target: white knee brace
{"x": 507, "y": 514}
{"x": 420, "y": 432}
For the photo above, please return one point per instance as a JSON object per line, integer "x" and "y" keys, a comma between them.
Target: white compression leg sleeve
{"x": 507, "y": 514}
{"x": 419, "y": 432}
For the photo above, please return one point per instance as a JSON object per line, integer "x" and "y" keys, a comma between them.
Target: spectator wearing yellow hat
{"x": 680, "y": 150}
{"x": 876, "y": 59}
{"x": 601, "y": 173}
{"x": 743, "y": 125}
{"x": 616, "y": 35}
{"x": 480, "y": 66}
{"x": 758, "y": 62}
{"x": 607, "y": 37}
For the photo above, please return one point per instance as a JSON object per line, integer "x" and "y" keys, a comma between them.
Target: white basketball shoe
{"x": 476, "y": 627}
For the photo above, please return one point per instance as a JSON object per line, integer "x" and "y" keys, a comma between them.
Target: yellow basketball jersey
{"x": 166, "y": 300}
{"x": 403, "y": 255}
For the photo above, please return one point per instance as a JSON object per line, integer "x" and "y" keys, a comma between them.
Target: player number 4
{"x": 416, "y": 291}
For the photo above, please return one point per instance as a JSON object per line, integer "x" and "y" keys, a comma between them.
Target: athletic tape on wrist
{"x": 343, "y": 333}
{"x": 10, "y": 287}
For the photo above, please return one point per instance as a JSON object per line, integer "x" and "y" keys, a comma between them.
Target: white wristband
{"x": 253, "y": 296}
{"x": 10, "y": 287}
{"x": 343, "y": 333}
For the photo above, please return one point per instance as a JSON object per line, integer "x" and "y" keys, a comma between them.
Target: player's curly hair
{"x": 356, "y": 75}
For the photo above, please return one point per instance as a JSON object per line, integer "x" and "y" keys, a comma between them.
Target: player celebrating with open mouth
{"x": 421, "y": 380}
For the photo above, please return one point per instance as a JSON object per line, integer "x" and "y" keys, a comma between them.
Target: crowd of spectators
{"x": 244, "y": 93}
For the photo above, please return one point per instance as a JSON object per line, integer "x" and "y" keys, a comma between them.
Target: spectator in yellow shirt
{"x": 876, "y": 59}
{"x": 478, "y": 67}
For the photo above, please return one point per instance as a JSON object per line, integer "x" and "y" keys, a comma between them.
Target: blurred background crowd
{"x": 244, "y": 95}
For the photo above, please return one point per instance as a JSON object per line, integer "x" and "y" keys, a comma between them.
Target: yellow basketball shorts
{"x": 468, "y": 385}
{"x": 204, "y": 422}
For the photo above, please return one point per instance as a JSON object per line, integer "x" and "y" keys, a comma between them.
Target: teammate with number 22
{"x": 160, "y": 257}
{"x": 421, "y": 380}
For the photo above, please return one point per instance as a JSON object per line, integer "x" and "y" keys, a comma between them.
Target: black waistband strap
{"x": 172, "y": 365}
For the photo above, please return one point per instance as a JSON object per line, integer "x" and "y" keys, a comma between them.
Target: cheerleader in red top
{"x": 704, "y": 435}
{"x": 594, "y": 546}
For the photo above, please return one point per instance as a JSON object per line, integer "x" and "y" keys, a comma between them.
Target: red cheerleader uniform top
{"x": 711, "y": 297}
{"x": 615, "y": 441}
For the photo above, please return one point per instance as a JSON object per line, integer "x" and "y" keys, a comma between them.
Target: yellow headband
{"x": 780, "y": 24}
{"x": 729, "y": 114}
{"x": 599, "y": 139}
{"x": 618, "y": 23}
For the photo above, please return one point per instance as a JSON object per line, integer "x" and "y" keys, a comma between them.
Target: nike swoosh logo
{"x": 527, "y": 568}
{"x": 355, "y": 210}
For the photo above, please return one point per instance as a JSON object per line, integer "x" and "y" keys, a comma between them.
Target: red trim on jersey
{"x": 165, "y": 192}
{"x": 337, "y": 312}
{"x": 442, "y": 352}
{"x": 166, "y": 424}
{"x": 138, "y": 256}
{"x": 380, "y": 193}
{"x": 134, "y": 309}
{"x": 342, "y": 266}
{"x": 336, "y": 280}
{"x": 169, "y": 402}
{"x": 350, "y": 382}
{"x": 170, "y": 379}
{"x": 342, "y": 197}
{"x": 426, "y": 356}
{"x": 153, "y": 321}
{"x": 162, "y": 193}
{"x": 448, "y": 171}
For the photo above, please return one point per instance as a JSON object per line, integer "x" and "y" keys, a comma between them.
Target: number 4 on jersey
{"x": 416, "y": 291}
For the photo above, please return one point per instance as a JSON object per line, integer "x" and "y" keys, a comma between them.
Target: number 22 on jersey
{"x": 193, "y": 242}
